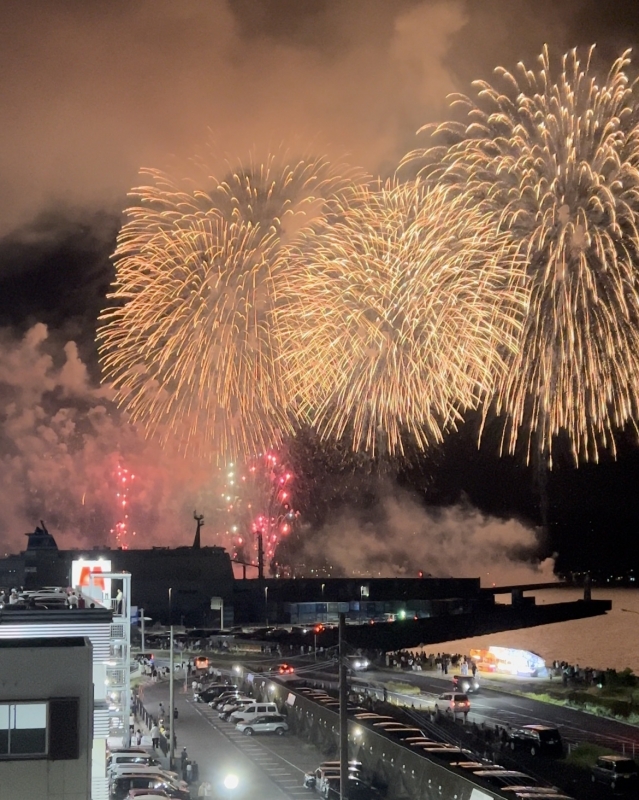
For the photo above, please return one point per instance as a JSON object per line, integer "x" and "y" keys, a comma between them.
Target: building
{"x": 46, "y": 709}
{"x": 51, "y": 639}
{"x": 195, "y": 574}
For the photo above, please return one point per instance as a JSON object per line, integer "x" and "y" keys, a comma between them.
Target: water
{"x": 611, "y": 640}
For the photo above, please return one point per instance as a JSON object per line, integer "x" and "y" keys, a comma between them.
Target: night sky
{"x": 91, "y": 92}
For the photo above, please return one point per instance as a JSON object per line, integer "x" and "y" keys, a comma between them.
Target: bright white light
{"x": 237, "y": 668}
{"x": 231, "y": 781}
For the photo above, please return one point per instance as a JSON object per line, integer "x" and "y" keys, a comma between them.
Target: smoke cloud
{"x": 93, "y": 91}
{"x": 61, "y": 442}
{"x": 401, "y": 538}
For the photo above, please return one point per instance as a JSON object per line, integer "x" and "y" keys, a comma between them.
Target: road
{"x": 495, "y": 704}
{"x": 498, "y": 706}
{"x": 268, "y": 767}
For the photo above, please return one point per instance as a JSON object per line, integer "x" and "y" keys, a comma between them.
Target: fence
{"x": 149, "y": 721}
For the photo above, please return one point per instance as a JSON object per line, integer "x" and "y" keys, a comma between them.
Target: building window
{"x": 23, "y": 729}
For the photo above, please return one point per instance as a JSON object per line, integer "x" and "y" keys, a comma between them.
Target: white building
{"x": 55, "y": 670}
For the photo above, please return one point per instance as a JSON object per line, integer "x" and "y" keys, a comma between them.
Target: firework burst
{"x": 189, "y": 346}
{"x": 557, "y": 164}
{"x": 398, "y": 316}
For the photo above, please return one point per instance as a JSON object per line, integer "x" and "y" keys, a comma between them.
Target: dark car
{"x": 618, "y": 772}
{"x": 213, "y": 691}
{"x": 537, "y": 739}
{"x": 465, "y": 683}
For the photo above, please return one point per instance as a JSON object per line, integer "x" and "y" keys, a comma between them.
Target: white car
{"x": 453, "y": 703}
{"x": 273, "y": 723}
{"x": 141, "y": 769}
{"x": 234, "y": 705}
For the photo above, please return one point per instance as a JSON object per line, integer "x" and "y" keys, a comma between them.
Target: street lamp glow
{"x": 231, "y": 781}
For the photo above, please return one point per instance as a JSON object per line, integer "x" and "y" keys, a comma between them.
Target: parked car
{"x": 537, "y": 739}
{"x": 617, "y": 772}
{"x": 214, "y": 690}
{"x": 142, "y": 769}
{"x": 121, "y": 786}
{"x": 465, "y": 683}
{"x": 318, "y": 777}
{"x": 453, "y": 703}
{"x": 271, "y": 723}
{"x": 234, "y": 705}
{"x": 248, "y": 711}
{"x": 223, "y": 699}
{"x": 131, "y": 758}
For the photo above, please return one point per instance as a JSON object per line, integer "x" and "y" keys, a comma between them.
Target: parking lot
{"x": 269, "y": 767}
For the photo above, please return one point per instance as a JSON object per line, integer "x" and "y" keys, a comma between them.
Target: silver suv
{"x": 273, "y": 723}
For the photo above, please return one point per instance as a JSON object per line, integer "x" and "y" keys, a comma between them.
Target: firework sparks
{"x": 120, "y": 530}
{"x": 190, "y": 347}
{"x": 557, "y": 164}
{"x": 410, "y": 315}
{"x": 258, "y": 498}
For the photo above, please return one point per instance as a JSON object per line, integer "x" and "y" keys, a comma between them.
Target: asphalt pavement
{"x": 268, "y": 767}
{"x": 497, "y": 704}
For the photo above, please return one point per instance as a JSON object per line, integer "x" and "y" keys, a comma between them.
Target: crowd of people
{"x": 441, "y": 662}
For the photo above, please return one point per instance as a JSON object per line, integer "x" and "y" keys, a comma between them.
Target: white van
{"x": 253, "y": 710}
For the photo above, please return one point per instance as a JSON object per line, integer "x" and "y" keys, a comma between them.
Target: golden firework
{"x": 398, "y": 316}
{"x": 557, "y": 165}
{"x": 189, "y": 344}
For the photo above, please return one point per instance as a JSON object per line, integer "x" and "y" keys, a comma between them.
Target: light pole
{"x": 323, "y": 606}
{"x": 266, "y": 604}
{"x": 171, "y": 686}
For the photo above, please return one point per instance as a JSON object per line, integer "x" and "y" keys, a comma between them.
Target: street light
{"x": 171, "y": 686}
{"x": 230, "y": 782}
{"x": 266, "y": 604}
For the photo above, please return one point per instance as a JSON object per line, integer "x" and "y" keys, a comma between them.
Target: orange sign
{"x": 97, "y": 586}
{"x": 84, "y": 579}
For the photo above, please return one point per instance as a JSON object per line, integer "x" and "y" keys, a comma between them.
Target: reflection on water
{"x": 611, "y": 640}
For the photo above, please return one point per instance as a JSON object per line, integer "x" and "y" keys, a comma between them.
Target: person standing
{"x": 155, "y": 736}
{"x": 184, "y": 760}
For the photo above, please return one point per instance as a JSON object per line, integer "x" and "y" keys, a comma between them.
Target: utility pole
{"x": 171, "y": 687}
{"x": 343, "y": 711}
{"x": 142, "y": 628}
{"x": 260, "y": 556}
